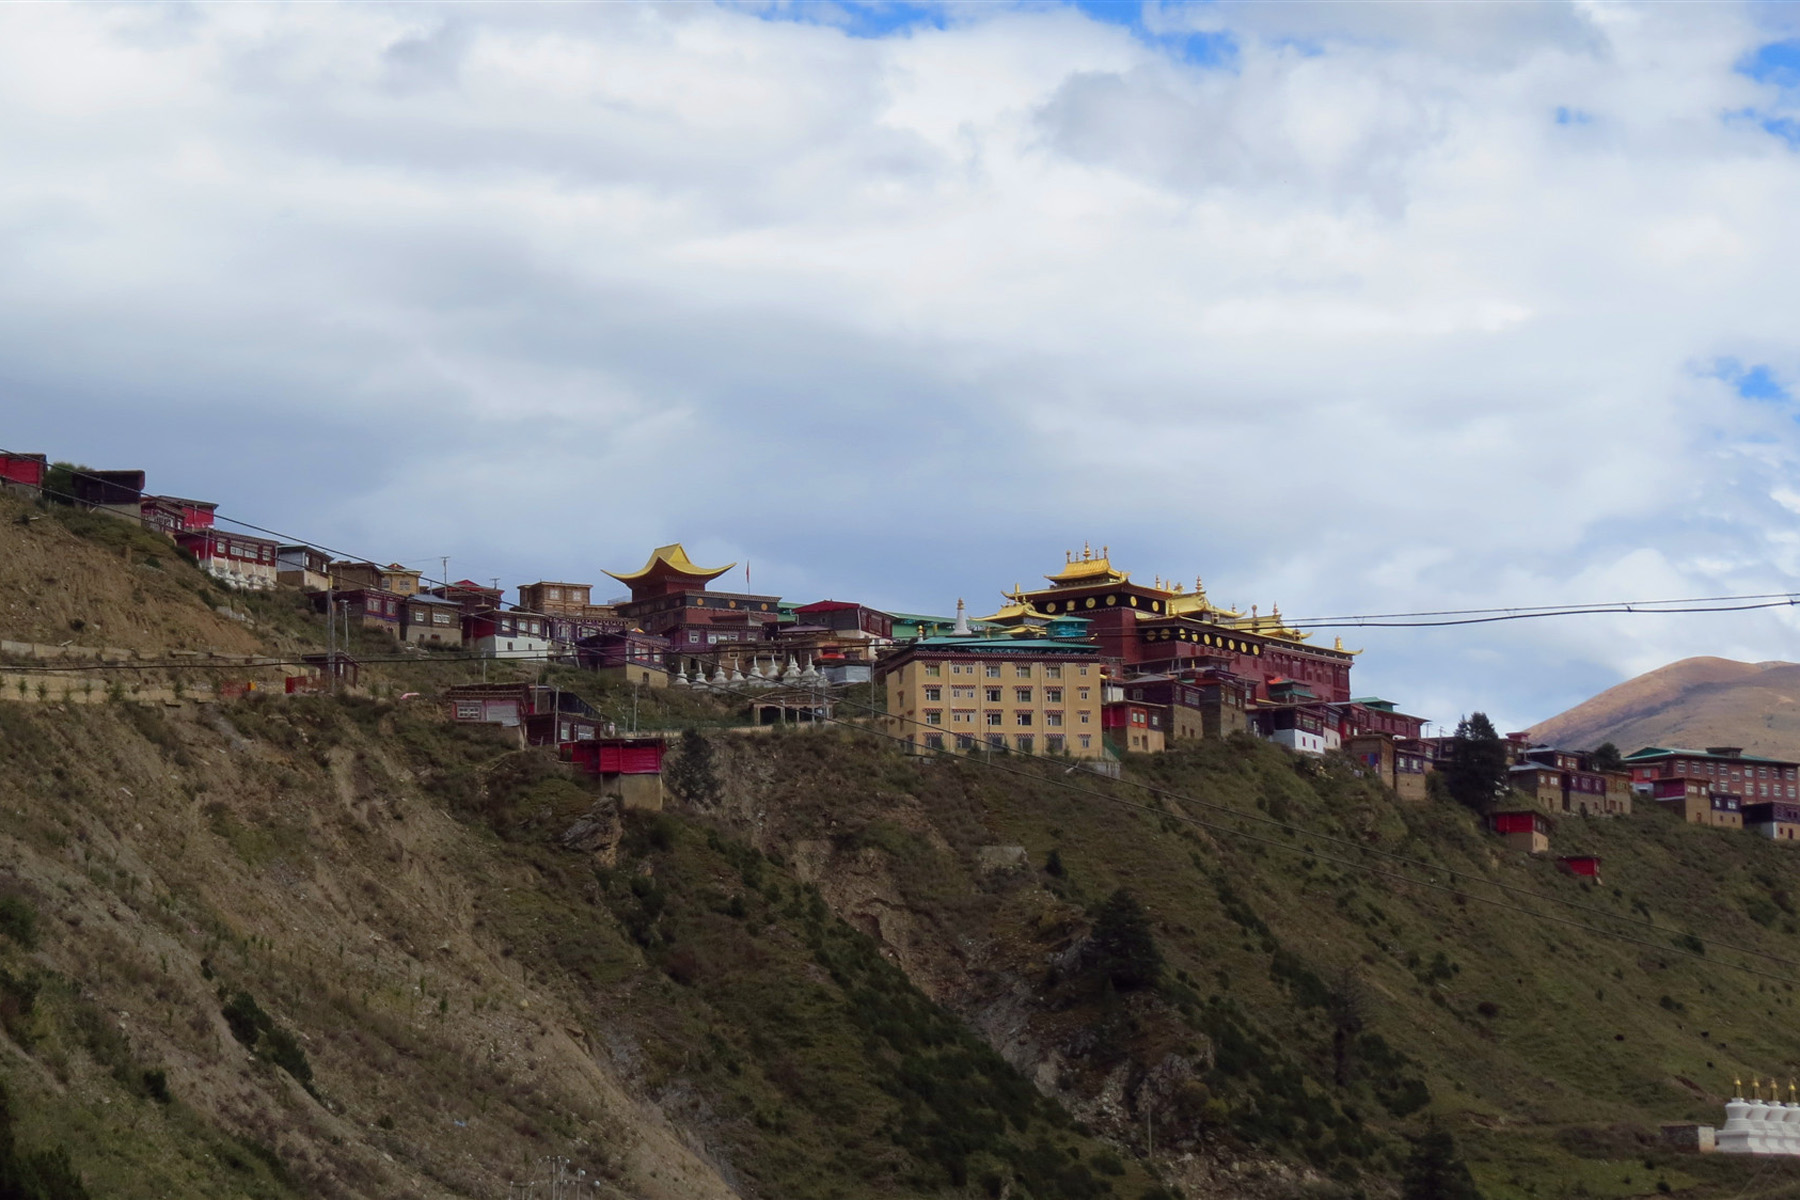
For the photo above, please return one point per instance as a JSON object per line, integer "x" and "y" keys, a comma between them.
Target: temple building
{"x": 669, "y": 597}
{"x": 1164, "y": 628}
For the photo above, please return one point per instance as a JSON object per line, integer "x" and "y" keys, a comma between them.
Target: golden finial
{"x": 1068, "y": 557}
{"x": 1176, "y": 587}
{"x": 1106, "y": 552}
{"x": 1755, "y": 1088}
{"x": 1737, "y": 1088}
{"x": 1791, "y": 1091}
{"x": 1253, "y": 612}
{"x": 1087, "y": 551}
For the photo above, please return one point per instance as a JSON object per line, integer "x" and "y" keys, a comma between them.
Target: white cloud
{"x": 1350, "y": 320}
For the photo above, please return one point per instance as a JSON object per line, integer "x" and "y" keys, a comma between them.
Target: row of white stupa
{"x": 775, "y": 676}
{"x": 1758, "y": 1126}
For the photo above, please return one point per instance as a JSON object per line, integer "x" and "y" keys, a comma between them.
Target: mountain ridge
{"x": 1694, "y": 703}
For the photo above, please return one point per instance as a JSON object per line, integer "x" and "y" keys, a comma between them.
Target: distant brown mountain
{"x": 1697, "y": 702}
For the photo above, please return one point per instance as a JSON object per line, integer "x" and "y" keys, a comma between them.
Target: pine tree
{"x": 1476, "y": 771}
{"x": 1123, "y": 949}
{"x": 1606, "y": 757}
{"x": 691, "y": 775}
{"x": 1435, "y": 1171}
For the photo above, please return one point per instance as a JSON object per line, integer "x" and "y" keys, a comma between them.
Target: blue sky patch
{"x": 1755, "y": 382}
{"x": 1777, "y": 63}
{"x": 865, "y": 20}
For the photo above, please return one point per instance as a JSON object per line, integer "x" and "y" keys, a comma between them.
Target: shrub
{"x": 18, "y": 920}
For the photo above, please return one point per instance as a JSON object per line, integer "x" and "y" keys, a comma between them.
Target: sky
{"x": 1346, "y": 307}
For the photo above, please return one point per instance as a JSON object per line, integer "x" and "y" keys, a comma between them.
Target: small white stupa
{"x": 961, "y": 628}
{"x": 792, "y": 674}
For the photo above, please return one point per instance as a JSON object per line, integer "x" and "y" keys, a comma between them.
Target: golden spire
{"x": 1737, "y": 1088}
{"x": 1755, "y": 1088}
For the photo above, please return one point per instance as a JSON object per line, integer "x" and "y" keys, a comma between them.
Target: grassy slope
{"x": 1553, "y": 1050}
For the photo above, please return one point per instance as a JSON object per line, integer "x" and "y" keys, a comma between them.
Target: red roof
{"x": 827, "y": 606}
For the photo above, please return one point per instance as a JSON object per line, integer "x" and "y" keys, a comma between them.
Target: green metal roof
{"x": 1651, "y": 752}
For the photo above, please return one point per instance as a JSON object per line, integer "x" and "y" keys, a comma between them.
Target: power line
{"x": 1427, "y": 618}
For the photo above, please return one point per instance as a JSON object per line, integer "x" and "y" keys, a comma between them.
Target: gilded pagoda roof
{"x": 1089, "y": 568}
{"x": 671, "y": 560}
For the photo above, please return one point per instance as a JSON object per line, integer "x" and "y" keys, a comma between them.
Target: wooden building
{"x": 1401, "y": 763}
{"x": 494, "y": 633}
{"x": 398, "y": 580}
{"x": 1523, "y": 829}
{"x": 430, "y": 621}
{"x": 171, "y": 515}
{"x": 1775, "y": 819}
{"x": 628, "y": 767}
{"x": 235, "y": 558}
{"x": 119, "y": 492}
{"x": 303, "y": 567}
{"x": 629, "y": 656}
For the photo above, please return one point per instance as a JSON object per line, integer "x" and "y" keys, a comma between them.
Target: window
{"x": 468, "y": 710}
{"x": 1022, "y": 670}
{"x": 993, "y": 718}
{"x": 1053, "y": 719}
{"x": 992, "y": 670}
{"x": 965, "y": 741}
{"x": 1081, "y": 693}
{"x": 993, "y": 695}
{"x": 1024, "y": 743}
{"x": 962, "y": 716}
{"x": 1053, "y": 671}
{"x": 1024, "y": 716}
{"x": 1023, "y": 694}
{"x": 1052, "y": 695}
{"x": 934, "y": 741}
{"x": 962, "y": 691}
{"x": 1087, "y": 740}
{"x": 956, "y": 668}
{"x": 934, "y": 693}
{"x": 1053, "y": 743}
{"x": 1082, "y": 670}
{"x": 933, "y": 670}
{"x": 997, "y": 740}
{"x": 1085, "y": 714}
{"x": 934, "y": 716}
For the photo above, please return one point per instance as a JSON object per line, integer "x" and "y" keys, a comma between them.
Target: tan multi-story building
{"x": 395, "y": 579}
{"x": 1029, "y": 695}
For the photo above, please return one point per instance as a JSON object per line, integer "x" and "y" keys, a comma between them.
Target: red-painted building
{"x": 1586, "y": 866}
{"x": 24, "y": 472}
{"x": 1523, "y": 829}
{"x": 236, "y": 558}
{"x": 1166, "y": 629}
{"x": 618, "y": 755}
{"x": 471, "y": 595}
{"x": 669, "y": 597}
{"x": 172, "y": 515}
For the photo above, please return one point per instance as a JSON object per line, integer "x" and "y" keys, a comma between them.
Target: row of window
{"x": 1024, "y": 743}
{"x": 1053, "y": 718}
{"x": 996, "y": 670}
{"x": 993, "y": 695}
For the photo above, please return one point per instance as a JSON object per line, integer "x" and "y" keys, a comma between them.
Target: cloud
{"x": 1353, "y": 307}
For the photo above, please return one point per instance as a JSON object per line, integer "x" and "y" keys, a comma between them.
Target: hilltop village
{"x": 1091, "y": 666}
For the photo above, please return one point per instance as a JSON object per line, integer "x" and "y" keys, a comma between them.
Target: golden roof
{"x": 1270, "y": 626}
{"x": 673, "y": 560}
{"x": 1016, "y": 612}
{"x": 1195, "y": 603}
{"x": 1089, "y": 568}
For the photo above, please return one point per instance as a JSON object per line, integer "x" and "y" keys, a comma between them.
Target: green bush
{"x": 19, "y": 920}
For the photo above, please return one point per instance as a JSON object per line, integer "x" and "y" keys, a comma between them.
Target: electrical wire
{"x": 1414, "y": 620}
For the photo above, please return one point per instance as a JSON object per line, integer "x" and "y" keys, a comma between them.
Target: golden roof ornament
{"x": 1737, "y": 1088}
{"x": 1755, "y": 1088}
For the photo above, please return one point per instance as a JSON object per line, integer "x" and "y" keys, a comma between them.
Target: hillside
{"x": 341, "y": 947}
{"x": 1696, "y": 702}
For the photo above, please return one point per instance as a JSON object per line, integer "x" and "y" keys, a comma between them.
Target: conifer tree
{"x": 1123, "y": 948}
{"x": 1476, "y": 771}
{"x": 1606, "y": 757}
{"x": 1435, "y": 1171}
